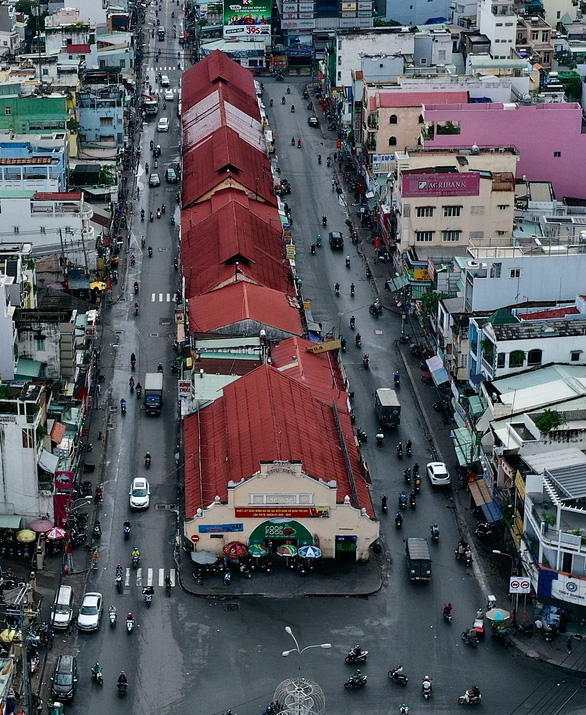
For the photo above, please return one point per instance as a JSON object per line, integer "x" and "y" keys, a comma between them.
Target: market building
{"x": 270, "y": 463}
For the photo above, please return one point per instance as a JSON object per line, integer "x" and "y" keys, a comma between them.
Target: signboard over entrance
{"x": 280, "y": 512}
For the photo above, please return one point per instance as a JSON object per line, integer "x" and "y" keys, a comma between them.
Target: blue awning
{"x": 492, "y": 512}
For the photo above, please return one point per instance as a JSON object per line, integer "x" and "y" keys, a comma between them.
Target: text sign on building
{"x": 290, "y": 7}
{"x": 298, "y": 24}
{"x": 219, "y": 528}
{"x": 348, "y": 7}
{"x": 383, "y": 163}
{"x": 305, "y": 7}
{"x": 279, "y": 512}
{"x": 247, "y": 18}
{"x": 454, "y": 184}
{"x": 184, "y": 388}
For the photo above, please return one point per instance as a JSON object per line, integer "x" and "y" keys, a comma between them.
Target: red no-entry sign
{"x": 195, "y": 538}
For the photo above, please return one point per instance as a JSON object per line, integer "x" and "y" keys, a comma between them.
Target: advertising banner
{"x": 298, "y": 24}
{"x": 553, "y": 584}
{"x": 248, "y": 18}
{"x": 255, "y": 512}
{"x": 454, "y": 184}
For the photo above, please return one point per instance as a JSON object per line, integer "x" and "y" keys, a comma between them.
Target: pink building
{"x": 549, "y": 138}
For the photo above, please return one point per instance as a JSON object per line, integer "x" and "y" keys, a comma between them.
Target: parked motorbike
{"x": 483, "y": 530}
{"x": 361, "y": 435}
{"x": 470, "y": 638}
{"x": 396, "y": 674}
{"x": 384, "y": 503}
{"x": 97, "y": 530}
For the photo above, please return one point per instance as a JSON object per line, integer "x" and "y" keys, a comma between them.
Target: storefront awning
{"x": 438, "y": 372}
{"x": 10, "y": 521}
{"x": 397, "y": 283}
{"x": 483, "y": 499}
{"x": 463, "y": 446}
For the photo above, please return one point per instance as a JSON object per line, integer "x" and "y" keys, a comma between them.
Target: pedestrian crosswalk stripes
{"x": 161, "y": 297}
{"x": 140, "y": 580}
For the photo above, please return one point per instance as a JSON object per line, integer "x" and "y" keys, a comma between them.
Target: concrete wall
{"x": 416, "y": 12}
{"x": 542, "y": 278}
{"x": 539, "y": 132}
{"x": 350, "y": 47}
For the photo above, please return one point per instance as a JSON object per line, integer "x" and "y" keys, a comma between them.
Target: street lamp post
{"x": 300, "y": 696}
{"x": 513, "y": 569}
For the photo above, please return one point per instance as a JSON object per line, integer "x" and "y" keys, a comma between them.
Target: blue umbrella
{"x": 309, "y": 552}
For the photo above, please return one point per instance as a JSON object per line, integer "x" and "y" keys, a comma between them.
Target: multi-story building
{"x": 29, "y": 163}
{"x": 54, "y": 222}
{"x": 65, "y": 28}
{"x": 9, "y": 37}
{"x": 498, "y": 21}
{"x": 417, "y": 12}
{"x": 535, "y": 40}
{"x": 101, "y": 119}
{"x": 393, "y": 119}
{"x": 31, "y": 111}
{"x": 351, "y": 46}
{"x": 497, "y": 274}
{"x": 453, "y": 198}
{"x": 302, "y": 21}
{"x": 511, "y": 340}
{"x": 548, "y": 137}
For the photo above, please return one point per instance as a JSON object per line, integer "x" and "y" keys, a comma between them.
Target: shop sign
{"x": 553, "y": 584}
{"x": 298, "y": 24}
{"x": 290, "y": 7}
{"x": 306, "y": 7}
{"x": 348, "y": 7}
{"x": 184, "y": 388}
{"x": 283, "y": 512}
{"x": 453, "y": 184}
{"x": 220, "y": 528}
{"x": 383, "y": 163}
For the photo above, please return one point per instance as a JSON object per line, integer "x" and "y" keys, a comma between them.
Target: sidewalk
{"x": 329, "y": 578}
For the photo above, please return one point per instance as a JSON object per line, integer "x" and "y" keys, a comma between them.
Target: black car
{"x": 336, "y": 239}
{"x": 313, "y": 121}
{"x": 64, "y": 678}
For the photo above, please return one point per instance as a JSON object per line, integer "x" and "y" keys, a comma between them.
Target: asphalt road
{"x": 189, "y": 655}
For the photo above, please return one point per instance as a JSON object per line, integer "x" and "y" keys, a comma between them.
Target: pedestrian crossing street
{"x": 162, "y": 298}
{"x": 146, "y": 577}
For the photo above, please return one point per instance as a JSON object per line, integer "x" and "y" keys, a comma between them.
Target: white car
{"x": 139, "y": 493}
{"x": 163, "y": 125}
{"x": 438, "y": 474}
{"x": 88, "y": 618}
{"x": 168, "y": 95}
{"x": 165, "y": 81}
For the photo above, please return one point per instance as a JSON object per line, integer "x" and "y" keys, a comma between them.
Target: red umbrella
{"x": 55, "y": 533}
{"x": 41, "y": 525}
{"x": 235, "y": 549}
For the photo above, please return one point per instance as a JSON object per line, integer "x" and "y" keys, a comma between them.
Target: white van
{"x": 62, "y": 610}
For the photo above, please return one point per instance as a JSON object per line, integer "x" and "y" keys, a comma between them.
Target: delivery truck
{"x": 387, "y": 407}
{"x": 418, "y": 559}
{"x": 153, "y": 393}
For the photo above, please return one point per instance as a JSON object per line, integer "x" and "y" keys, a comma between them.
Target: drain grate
{"x": 232, "y": 606}
{"x": 165, "y": 321}
{"x": 164, "y": 507}
{"x": 153, "y": 335}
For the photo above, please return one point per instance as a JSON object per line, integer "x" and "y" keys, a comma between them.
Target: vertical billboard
{"x": 248, "y": 18}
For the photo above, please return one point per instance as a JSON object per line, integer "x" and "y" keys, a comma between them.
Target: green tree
{"x": 548, "y": 420}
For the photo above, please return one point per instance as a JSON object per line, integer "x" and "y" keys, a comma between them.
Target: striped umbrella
{"x": 287, "y": 550}
{"x": 235, "y": 549}
{"x": 309, "y": 552}
{"x": 257, "y": 550}
{"x": 55, "y": 533}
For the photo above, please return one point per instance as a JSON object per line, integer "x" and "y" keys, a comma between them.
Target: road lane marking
{"x": 172, "y": 576}
{"x": 139, "y": 576}
{"x": 161, "y": 577}
{"x": 127, "y": 578}
{"x": 150, "y": 577}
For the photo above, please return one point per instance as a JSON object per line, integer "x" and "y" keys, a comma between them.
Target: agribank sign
{"x": 417, "y": 186}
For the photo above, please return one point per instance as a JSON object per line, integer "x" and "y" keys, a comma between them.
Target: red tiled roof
{"x": 318, "y": 371}
{"x": 243, "y": 301}
{"x": 77, "y": 49}
{"x": 391, "y": 99}
{"x": 57, "y": 196}
{"x": 215, "y": 70}
{"x": 224, "y": 160}
{"x": 551, "y": 313}
{"x": 233, "y": 233}
{"x": 266, "y": 416}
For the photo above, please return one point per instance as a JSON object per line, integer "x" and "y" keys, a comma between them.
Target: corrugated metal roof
{"x": 570, "y": 480}
{"x": 266, "y": 416}
{"x": 233, "y": 233}
{"x": 244, "y": 301}
{"x": 224, "y": 160}
{"x": 318, "y": 371}
{"x": 57, "y": 196}
{"x": 214, "y": 71}
{"x": 209, "y": 115}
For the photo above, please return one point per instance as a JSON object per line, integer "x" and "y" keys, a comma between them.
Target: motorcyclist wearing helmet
{"x": 119, "y": 570}
{"x": 448, "y": 609}
{"x": 96, "y": 669}
{"x": 122, "y": 679}
{"x": 135, "y": 552}
{"x": 357, "y": 651}
{"x": 130, "y": 617}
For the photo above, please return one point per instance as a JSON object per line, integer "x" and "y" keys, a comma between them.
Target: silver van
{"x": 62, "y": 610}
